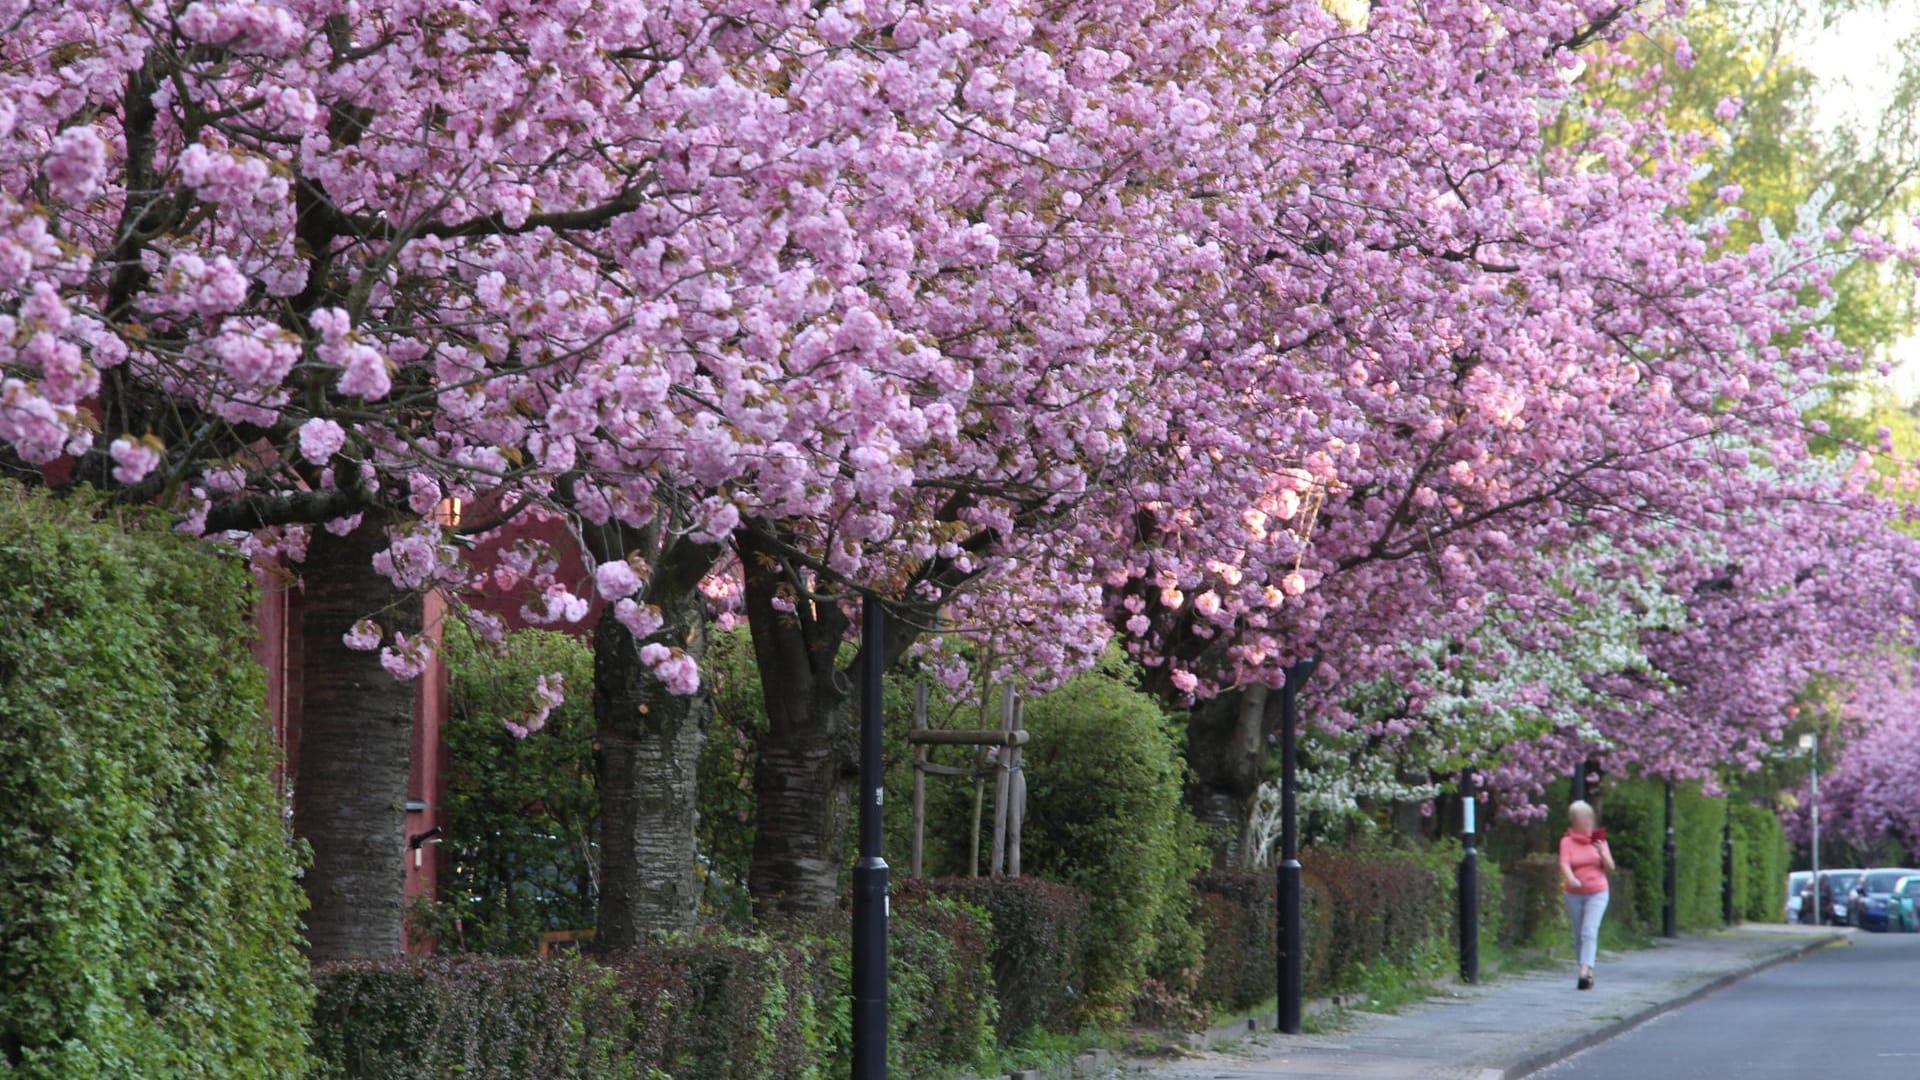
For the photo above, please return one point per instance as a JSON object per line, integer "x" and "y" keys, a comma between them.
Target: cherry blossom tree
{"x": 1234, "y": 328}
{"x": 305, "y": 271}
{"x": 1866, "y": 792}
{"x": 1547, "y": 351}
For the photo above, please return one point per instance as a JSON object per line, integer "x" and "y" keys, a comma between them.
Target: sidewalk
{"x": 1508, "y": 1028}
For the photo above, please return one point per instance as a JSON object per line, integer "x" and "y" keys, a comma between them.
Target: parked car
{"x": 1870, "y": 899}
{"x": 1834, "y": 886}
{"x": 1796, "y": 884}
{"x": 1904, "y": 911}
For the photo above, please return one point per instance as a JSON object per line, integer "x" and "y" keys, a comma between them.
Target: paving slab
{"x": 1507, "y": 1028}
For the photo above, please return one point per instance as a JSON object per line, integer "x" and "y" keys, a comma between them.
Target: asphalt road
{"x": 1845, "y": 1013}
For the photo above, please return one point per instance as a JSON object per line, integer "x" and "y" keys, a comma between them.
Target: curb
{"x": 1535, "y": 1062}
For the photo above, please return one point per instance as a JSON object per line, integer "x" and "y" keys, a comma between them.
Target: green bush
{"x": 718, "y": 1008}
{"x": 1235, "y": 910}
{"x": 1105, "y": 815}
{"x": 1363, "y": 913}
{"x": 521, "y": 814}
{"x": 731, "y": 1010}
{"x": 1634, "y": 813}
{"x": 940, "y": 986}
{"x": 1373, "y": 908}
{"x": 1038, "y": 947}
{"x": 149, "y": 920}
{"x": 1533, "y": 912}
{"x": 1760, "y": 864}
{"x": 476, "y": 1018}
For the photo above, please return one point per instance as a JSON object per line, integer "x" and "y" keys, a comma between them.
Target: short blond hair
{"x": 1581, "y": 806}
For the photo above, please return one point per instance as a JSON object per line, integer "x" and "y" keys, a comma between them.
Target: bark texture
{"x": 356, "y": 740}
{"x": 1227, "y": 756}
{"x": 806, "y": 761}
{"x": 649, "y": 763}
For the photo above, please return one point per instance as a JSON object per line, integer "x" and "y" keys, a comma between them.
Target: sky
{"x": 1856, "y": 64}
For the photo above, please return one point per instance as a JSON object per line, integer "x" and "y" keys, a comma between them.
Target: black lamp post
{"x": 1726, "y": 867}
{"x": 871, "y": 907}
{"x": 1469, "y": 885}
{"x": 1669, "y": 907}
{"x": 1290, "y": 940}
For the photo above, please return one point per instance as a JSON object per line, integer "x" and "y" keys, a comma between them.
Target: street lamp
{"x": 1291, "y": 937}
{"x": 1469, "y": 885}
{"x": 871, "y": 906}
{"x": 1811, "y": 744}
{"x": 1669, "y": 877}
{"x": 1726, "y": 863}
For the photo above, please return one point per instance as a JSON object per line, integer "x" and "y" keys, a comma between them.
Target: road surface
{"x": 1849, "y": 1012}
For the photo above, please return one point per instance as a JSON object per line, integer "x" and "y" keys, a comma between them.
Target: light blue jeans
{"x": 1584, "y": 914}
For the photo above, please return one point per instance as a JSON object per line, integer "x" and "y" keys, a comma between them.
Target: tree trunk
{"x": 806, "y": 761}
{"x": 1227, "y": 756}
{"x": 800, "y": 794}
{"x": 649, "y": 762}
{"x": 356, "y": 740}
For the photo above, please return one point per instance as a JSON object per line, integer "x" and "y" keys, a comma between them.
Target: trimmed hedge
{"x": 1038, "y": 947}
{"x": 1361, "y": 912}
{"x": 471, "y": 1017}
{"x": 1759, "y": 864}
{"x": 1532, "y": 908}
{"x": 1237, "y": 917}
{"x": 1372, "y": 910}
{"x": 722, "y": 1009}
{"x": 729, "y": 1010}
{"x": 1634, "y": 813}
{"x": 149, "y": 915}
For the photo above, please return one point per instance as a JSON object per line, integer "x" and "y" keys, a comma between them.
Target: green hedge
{"x": 721, "y": 1009}
{"x": 1039, "y": 942}
{"x": 1531, "y": 906}
{"x": 1634, "y": 813}
{"x": 1362, "y": 913}
{"x": 472, "y": 1017}
{"x": 1235, "y": 911}
{"x": 1760, "y": 865}
{"x": 149, "y": 915}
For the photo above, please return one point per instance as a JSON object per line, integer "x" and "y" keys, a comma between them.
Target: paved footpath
{"x": 1508, "y": 1028}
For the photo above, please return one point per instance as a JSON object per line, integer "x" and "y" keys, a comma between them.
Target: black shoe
{"x": 1585, "y": 983}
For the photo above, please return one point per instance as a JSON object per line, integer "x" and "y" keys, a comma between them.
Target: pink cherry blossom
{"x": 363, "y": 636}
{"x": 133, "y": 460}
{"x": 77, "y": 164}
{"x": 616, "y": 580}
{"x": 320, "y": 439}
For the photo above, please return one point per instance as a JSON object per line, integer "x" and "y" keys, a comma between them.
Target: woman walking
{"x": 1585, "y": 862}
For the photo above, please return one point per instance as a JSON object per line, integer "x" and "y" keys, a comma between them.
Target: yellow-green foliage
{"x": 1105, "y": 816}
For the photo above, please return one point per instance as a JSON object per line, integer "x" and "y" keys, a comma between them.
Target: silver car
{"x": 1796, "y": 884}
